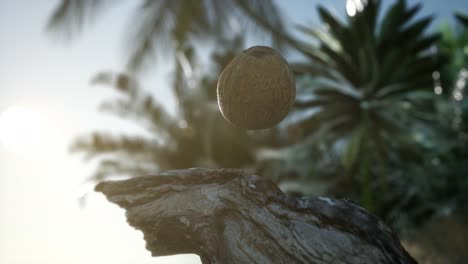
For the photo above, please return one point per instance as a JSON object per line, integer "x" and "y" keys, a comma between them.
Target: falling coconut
{"x": 257, "y": 89}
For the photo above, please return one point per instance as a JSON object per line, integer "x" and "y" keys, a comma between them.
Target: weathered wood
{"x": 228, "y": 216}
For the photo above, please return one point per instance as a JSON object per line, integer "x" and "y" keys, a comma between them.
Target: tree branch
{"x": 228, "y": 216}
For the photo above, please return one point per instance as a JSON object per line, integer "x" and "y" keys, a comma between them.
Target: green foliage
{"x": 425, "y": 143}
{"x": 374, "y": 92}
{"x": 453, "y": 47}
{"x": 198, "y": 136}
{"x": 164, "y": 26}
{"x": 440, "y": 177}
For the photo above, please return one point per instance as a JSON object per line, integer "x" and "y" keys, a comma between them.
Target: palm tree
{"x": 196, "y": 136}
{"x": 369, "y": 88}
{"x": 168, "y": 25}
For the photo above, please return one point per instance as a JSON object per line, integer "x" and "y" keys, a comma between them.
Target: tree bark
{"x": 229, "y": 216}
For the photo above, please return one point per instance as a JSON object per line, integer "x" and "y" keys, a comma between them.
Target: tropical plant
{"x": 196, "y": 136}
{"x": 453, "y": 46}
{"x": 168, "y": 25}
{"x": 437, "y": 185}
{"x": 440, "y": 184}
{"x": 368, "y": 91}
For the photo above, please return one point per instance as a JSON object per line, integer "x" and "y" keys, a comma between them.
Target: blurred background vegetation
{"x": 380, "y": 118}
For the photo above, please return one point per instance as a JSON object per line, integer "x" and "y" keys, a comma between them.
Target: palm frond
{"x": 135, "y": 151}
{"x": 462, "y": 18}
{"x": 372, "y": 64}
{"x": 70, "y": 16}
{"x": 150, "y": 31}
{"x": 162, "y": 27}
{"x": 97, "y": 143}
{"x": 137, "y": 105}
{"x": 265, "y": 17}
{"x": 169, "y": 25}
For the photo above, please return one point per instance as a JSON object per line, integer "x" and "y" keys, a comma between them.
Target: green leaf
{"x": 392, "y": 24}
{"x": 337, "y": 84}
{"x": 343, "y": 64}
{"x": 333, "y": 24}
{"x": 334, "y": 96}
{"x": 308, "y": 104}
{"x": 371, "y": 12}
{"x": 462, "y": 18}
{"x": 353, "y": 148}
{"x": 426, "y": 42}
{"x": 396, "y": 89}
{"x": 412, "y": 33}
{"x": 392, "y": 20}
{"x": 324, "y": 37}
{"x": 311, "y": 69}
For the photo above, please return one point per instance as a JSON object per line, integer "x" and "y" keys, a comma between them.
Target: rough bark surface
{"x": 228, "y": 216}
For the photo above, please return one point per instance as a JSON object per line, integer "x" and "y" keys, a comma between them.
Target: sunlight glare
{"x": 350, "y": 8}
{"x": 354, "y": 6}
{"x": 20, "y": 129}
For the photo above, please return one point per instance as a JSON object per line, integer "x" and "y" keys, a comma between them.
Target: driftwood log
{"x": 228, "y": 216}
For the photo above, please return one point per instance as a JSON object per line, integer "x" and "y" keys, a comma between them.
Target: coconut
{"x": 257, "y": 89}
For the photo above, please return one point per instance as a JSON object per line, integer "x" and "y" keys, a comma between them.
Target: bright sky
{"x": 45, "y": 85}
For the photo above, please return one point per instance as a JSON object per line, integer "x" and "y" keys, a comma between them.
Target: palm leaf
{"x": 375, "y": 64}
{"x": 353, "y": 148}
{"x": 162, "y": 27}
{"x": 136, "y": 105}
{"x": 462, "y": 18}
{"x": 69, "y": 17}
{"x": 332, "y": 23}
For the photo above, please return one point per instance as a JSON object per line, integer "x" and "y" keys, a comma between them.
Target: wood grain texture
{"x": 228, "y": 216}
{"x": 257, "y": 89}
